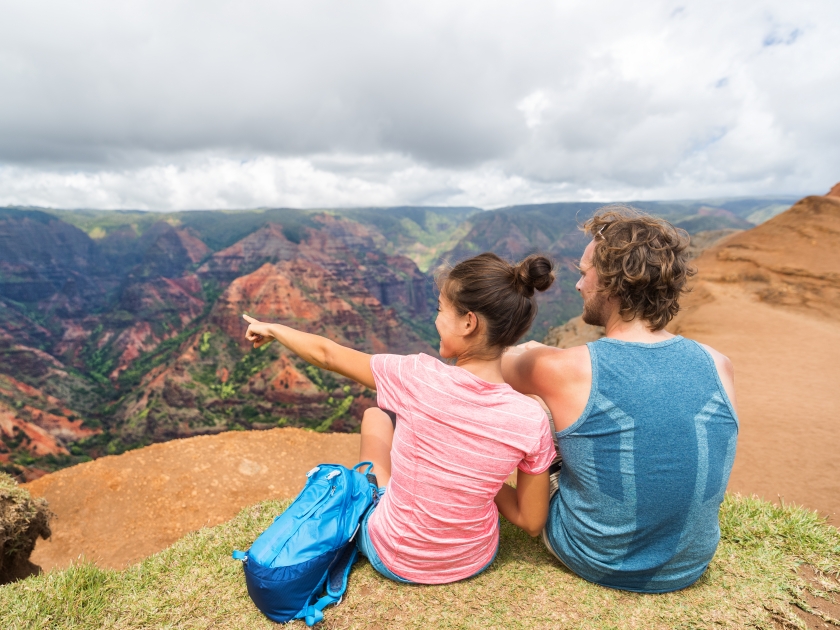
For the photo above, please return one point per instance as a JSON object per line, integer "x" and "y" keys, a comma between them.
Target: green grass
{"x": 752, "y": 582}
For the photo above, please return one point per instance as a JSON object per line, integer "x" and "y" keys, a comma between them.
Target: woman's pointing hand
{"x": 258, "y": 332}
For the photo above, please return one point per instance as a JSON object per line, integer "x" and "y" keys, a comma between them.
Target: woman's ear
{"x": 471, "y": 322}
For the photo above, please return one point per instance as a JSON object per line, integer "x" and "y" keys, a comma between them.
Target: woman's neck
{"x": 489, "y": 370}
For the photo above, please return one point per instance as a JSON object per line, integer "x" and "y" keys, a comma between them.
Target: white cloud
{"x": 533, "y": 107}
{"x": 202, "y": 104}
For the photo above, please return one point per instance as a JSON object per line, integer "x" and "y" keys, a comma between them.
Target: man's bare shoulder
{"x": 553, "y": 365}
{"x": 562, "y": 378}
{"x": 722, "y": 362}
{"x": 569, "y": 358}
{"x": 534, "y": 368}
{"x": 725, "y": 371}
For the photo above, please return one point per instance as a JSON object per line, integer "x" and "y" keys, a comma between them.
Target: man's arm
{"x": 519, "y": 364}
{"x": 562, "y": 378}
{"x": 726, "y": 372}
{"x": 319, "y": 351}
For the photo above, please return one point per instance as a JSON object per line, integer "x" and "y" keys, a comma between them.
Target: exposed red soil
{"x": 119, "y": 510}
{"x": 822, "y": 608}
{"x": 194, "y": 246}
{"x": 38, "y": 440}
{"x": 769, "y": 298}
{"x": 37, "y": 421}
{"x": 289, "y": 385}
{"x": 309, "y": 293}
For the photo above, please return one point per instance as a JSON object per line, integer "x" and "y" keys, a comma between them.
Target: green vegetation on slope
{"x": 752, "y": 582}
{"x": 216, "y": 228}
{"x": 424, "y": 231}
{"x": 420, "y": 233}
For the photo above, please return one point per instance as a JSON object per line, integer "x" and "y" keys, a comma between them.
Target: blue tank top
{"x": 645, "y": 467}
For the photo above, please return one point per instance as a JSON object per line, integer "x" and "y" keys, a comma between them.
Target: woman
{"x": 455, "y": 432}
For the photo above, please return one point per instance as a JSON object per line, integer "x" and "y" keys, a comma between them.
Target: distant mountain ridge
{"x": 118, "y": 329}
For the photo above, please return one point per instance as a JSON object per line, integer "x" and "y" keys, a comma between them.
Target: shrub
{"x": 22, "y": 520}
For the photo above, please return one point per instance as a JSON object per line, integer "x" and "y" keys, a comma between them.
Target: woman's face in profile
{"x": 452, "y": 329}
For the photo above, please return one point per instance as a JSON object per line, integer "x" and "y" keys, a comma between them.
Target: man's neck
{"x": 636, "y": 330}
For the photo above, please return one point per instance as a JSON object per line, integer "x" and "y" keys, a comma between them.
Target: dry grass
{"x": 752, "y": 582}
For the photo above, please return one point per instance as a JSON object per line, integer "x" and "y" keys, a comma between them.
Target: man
{"x": 645, "y": 421}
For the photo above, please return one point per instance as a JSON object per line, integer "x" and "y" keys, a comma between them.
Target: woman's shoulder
{"x": 403, "y": 366}
{"x": 420, "y": 356}
{"x": 528, "y": 405}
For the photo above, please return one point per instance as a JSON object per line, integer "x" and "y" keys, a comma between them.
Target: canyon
{"x": 119, "y": 330}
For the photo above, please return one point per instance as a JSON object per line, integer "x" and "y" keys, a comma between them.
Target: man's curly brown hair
{"x": 642, "y": 261}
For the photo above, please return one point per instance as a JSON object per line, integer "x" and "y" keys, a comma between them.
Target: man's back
{"x": 644, "y": 467}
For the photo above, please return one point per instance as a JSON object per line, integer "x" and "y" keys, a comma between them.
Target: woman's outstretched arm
{"x": 526, "y": 506}
{"x": 314, "y": 349}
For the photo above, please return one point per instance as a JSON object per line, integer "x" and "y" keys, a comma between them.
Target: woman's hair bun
{"x": 535, "y": 272}
{"x": 501, "y": 293}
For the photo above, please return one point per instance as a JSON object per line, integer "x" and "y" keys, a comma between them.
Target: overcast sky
{"x": 209, "y": 104}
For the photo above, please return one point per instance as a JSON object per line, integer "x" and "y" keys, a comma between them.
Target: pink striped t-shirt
{"x": 457, "y": 439}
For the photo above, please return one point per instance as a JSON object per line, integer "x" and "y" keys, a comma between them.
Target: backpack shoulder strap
{"x": 336, "y": 584}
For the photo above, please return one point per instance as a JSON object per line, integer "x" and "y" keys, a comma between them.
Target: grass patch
{"x": 752, "y": 582}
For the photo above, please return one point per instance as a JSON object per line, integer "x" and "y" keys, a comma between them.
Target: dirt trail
{"x": 119, "y": 510}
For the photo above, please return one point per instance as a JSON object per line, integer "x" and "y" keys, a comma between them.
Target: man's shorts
{"x": 552, "y": 490}
{"x": 553, "y": 477}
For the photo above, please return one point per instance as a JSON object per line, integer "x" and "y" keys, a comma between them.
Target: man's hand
{"x": 514, "y": 351}
{"x": 258, "y": 332}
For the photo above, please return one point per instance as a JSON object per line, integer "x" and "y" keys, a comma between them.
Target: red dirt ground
{"x": 769, "y": 299}
{"x": 119, "y": 510}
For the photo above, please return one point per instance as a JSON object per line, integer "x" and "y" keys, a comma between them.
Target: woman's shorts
{"x": 365, "y": 546}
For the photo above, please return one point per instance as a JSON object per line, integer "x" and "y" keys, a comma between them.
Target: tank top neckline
{"x": 640, "y": 344}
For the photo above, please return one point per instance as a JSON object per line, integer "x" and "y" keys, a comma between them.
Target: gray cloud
{"x": 209, "y": 104}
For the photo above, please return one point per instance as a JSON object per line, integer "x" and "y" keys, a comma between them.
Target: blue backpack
{"x": 300, "y": 564}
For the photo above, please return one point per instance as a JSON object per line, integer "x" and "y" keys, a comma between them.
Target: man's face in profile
{"x": 595, "y": 301}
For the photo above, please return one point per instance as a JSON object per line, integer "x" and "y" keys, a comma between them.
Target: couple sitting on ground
{"x": 623, "y": 479}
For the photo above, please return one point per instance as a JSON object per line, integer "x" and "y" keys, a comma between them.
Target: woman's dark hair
{"x": 502, "y": 294}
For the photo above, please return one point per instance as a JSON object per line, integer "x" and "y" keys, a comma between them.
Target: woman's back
{"x": 457, "y": 439}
